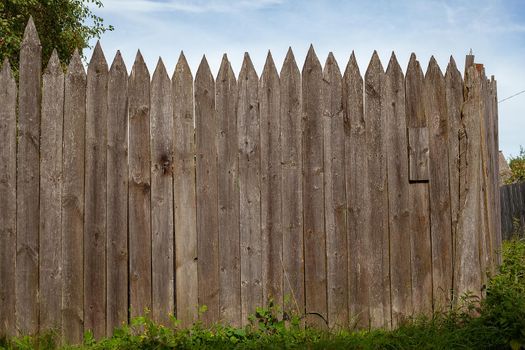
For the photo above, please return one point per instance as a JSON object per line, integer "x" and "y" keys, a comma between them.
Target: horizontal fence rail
{"x": 352, "y": 199}
{"x": 512, "y": 210}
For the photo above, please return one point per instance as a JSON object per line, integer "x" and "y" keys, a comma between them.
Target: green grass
{"x": 496, "y": 322}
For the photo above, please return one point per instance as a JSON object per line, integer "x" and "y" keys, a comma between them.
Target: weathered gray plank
{"x": 420, "y": 246}
{"x": 73, "y": 201}
{"x": 8, "y": 96}
{"x": 163, "y": 279}
{"x": 454, "y": 97}
{"x": 139, "y": 185}
{"x": 356, "y": 195}
{"x": 28, "y": 179}
{"x": 228, "y": 194}
{"x": 206, "y": 191}
{"x": 50, "y": 272}
{"x": 313, "y": 191}
{"x": 418, "y": 154}
{"x": 439, "y": 191}
{"x": 496, "y": 168}
{"x": 271, "y": 185}
{"x": 292, "y": 199}
{"x": 467, "y": 275}
{"x": 379, "y": 282}
{"x": 249, "y": 189}
{"x": 95, "y": 195}
{"x": 335, "y": 195}
{"x": 184, "y": 194}
{"x": 117, "y": 196}
{"x": 398, "y": 192}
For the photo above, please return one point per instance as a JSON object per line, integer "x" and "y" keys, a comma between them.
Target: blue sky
{"x": 493, "y": 29}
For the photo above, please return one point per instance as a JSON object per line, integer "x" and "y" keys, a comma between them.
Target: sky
{"x": 493, "y": 29}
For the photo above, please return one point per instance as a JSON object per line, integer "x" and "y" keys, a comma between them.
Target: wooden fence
{"x": 352, "y": 200}
{"x": 512, "y": 210}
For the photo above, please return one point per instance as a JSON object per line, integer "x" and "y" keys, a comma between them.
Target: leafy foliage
{"x": 517, "y": 167}
{"x": 61, "y": 24}
{"x": 496, "y": 322}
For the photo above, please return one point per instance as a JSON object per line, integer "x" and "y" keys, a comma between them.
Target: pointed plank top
{"x": 374, "y": 67}
{"x": 139, "y": 67}
{"x": 31, "y": 35}
{"x": 414, "y": 68}
{"x": 394, "y": 69}
{"x": 247, "y": 69}
{"x": 452, "y": 70}
{"x": 270, "y": 70}
{"x": 289, "y": 64}
{"x": 160, "y": 71}
{"x": 311, "y": 62}
{"x": 331, "y": 67}
{"x": 75, "y": 66}
{"x": 433, "y": 70}
{"x": 53, "y": 66}
{"x": 98, "y": 60}
{"x": 182, "y": 69}
{"x": 225, "y": 71}
{"x": 352, "y": 68}
{"x": 118, "y": 64}
{"x": 6, "y": 74}
{"x": 204, "y": 72}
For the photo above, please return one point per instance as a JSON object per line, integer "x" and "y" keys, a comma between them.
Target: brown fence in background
{"x": 357, "y": 199}
{"x": 512, "y": 210}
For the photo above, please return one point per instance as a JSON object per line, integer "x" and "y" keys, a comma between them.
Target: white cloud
{"x": 200, "y": 6}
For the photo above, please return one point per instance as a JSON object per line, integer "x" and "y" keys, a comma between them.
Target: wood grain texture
{"x": 206, "y": 191}
{"x": 357, "y": 195}
{"x": 292, "y": 198}
{"x": 335, "y": 194}
{"x": 50, "y": 261}
{"x": 439, "y": 191}
{"x": 495, "y": 129}
{"x": 8, "y": 95}
{"x": 313, "y": 192}
{"x": 95, "y": 215}
{"x": 186, "y": 291}
{"x": 398, "y": 192}
{"x": 271, "y": 185}
{"x": 73, "y": 200}
{"x": 467, "y": 275}
{"x": 378, "y": 258}
{"x": 117, "y": 196}
{"x": 27, "y": 182}
{"x": 418, "y": 154}
{"x": 248, "y": 128}
{"x": 228, "y": 194}
{"x": 420, "y": 244}
{"x": 454, "y": 97}
{"x": 162, "y": 234}
{"x": 139, "y": 187}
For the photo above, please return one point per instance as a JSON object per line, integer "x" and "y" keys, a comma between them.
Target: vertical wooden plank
{"x": 95, "y": 195}
{"x": 184, "y": 194}
{"x": 249, "y": 189}
{"x": 398, "y": 192}
{"x": 292, "y": 198}
{"x": 50, "y": 272}
{"x": 439, "y": 191}
{"x": 420, "y": 246}
{"x": 454, "y": 98}
{"x": 313, "y": 190}
{"x": 356, "y": 174}
{"x": 379, "y": 283}
{"x": 495, "y": 130}
{"x": 271, "y": 186}
{"x": 28, "y": 177}
{"x": 163, "y": 279}
{"x": 8, "y": 96}
{"x": 335, "y": 195}
{"x": 206, "y": 191}
{"x": 73, "y": 201}
{"x": 467, "y": 273}
{"x": 117, "y": 196}
{"x": 228, "y": 195}
{"x": 139, "y": 203}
